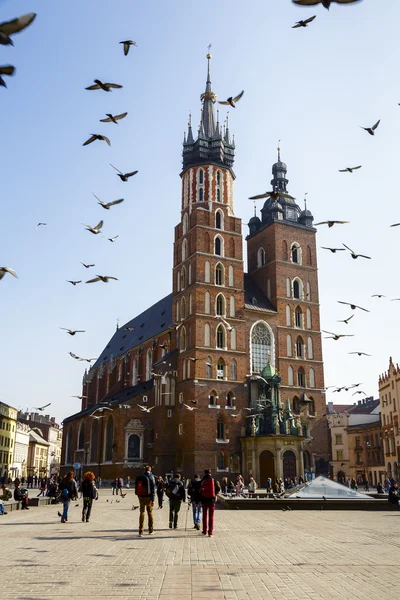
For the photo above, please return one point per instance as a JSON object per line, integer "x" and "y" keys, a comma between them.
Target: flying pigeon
{"x": 96, "y": 136}
{"x": 113, "y": 119}
{"x": 123, "y": 176}
{"x": 8, "y": 28}
{"x": 4, "y": 270}
{"x": 231, "y": 101}
{"x": 6, "y": 70}
{"x": 127, "y": 44}
{"x": 107, "y": 87}
{"x": 304, "y": 23}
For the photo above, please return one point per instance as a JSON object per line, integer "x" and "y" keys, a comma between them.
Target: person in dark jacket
{"x": 20, "y": 495}
{"x": 69, "y": 491}
{"x": 208, "y": 501}
{"x": 145, "y": 490}
{"x": 89, "y": 493}
{"x": 160, "y": 491}
{"x": 195, "y": 498}
{"x": 394, "y": 495}
{"x": 176, "y": 494}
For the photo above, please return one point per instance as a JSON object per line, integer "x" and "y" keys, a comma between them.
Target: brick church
{"x": 226, "y": 371}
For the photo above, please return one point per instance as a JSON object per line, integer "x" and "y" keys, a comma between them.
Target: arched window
{"x": 296, "y": 405}
{"x": 219, "y": 274}
{"x": 299, "y": 347}
{"x": 233, "y": 370}
{"x": 184, "y": 249}
{"x": 220, "y": 429}
{"x": 261, "y": 346}
{"x": 201, "y": 194}
{"x": 284, "y": 250}
{"x": 207, "y": 336}
{"x": 209, "y": 368}
{"x": 178, "y": 281}
{"x": 201, "y": 176}
{"x": 269, "y": 289}
{"x": 221, "y": 369}
{"x": 177, "y": 310}
{"x": 183, "y": 278}
{"x": 185, "y": 223}
{"x": 309, "y": 320}
{"x": 148, "y": 364}
{"x": 190, "y": 274}
{"x": 190, "y": 304}
{"x": 232, "y": 310}
{"x": 109, "y": 439}
{"x": 309, "y": 256}
{"x": 288, "y": 288}
{"x": 288, "y": 316}
{"x": 183, "y": 308}
{"x": 301, "y": 377}
{"x": 289, "y": 344}
{"x": 260, "y": 257}
{"x": 184, "y": 369}
{"x": 218, "y": 177}
{"x": 212, "y": 398}
{"x": 81, "y": 436}
{"x": 308, "y": 293}
{"x": 297, "y": 289}
{"x": 230, "y": 276}
{"x": 233, "y": 338}
{"x": 311, "y": 407}
{"x": 218, "y": 246}
{"x": 298, "y": 317}
{"x": 218, "y": 196}
{"x": 290, "y": 375}
{"x": 188, "y": 369}
{"x": 221, "y": 337}
{"x": 221, "y": 461}
{"x": 207, "y": 303}
{"x": 232, "y": 248}
{"x": 229, "y": 399}
{"x": 312, "y": 378}
{"x": 310, "y": 350}
{"x": 219, "y": 219}
{"x": 94, "y": 438}
{"x": 207, "y": 272}
{"x": 296, "y": 253}
{"x": 135, "y": 368}
{"x": 182, "y": 344}
{"x": 220, "y": 305}
{"x": 68, "y": 446}
{"x": 133, "y": 447}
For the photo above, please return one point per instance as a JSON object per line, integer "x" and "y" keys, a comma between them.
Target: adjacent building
{"x": 51, "y": 432}
{"x": 389, "y": 389}
{"x": 37, "y": 455}
{"x": 8, "y": 424}
{"x": 21, "y": 450}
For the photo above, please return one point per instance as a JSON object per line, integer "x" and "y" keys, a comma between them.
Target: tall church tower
{"x": 282, "y": 259}
{"x": 208, "y": 299}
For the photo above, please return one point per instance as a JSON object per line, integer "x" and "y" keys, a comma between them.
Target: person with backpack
{"x": 69, "y": 491}
{"x": 89, "y": 493}
{"x": 176, "y": 494}
{"x": 209, "y": 488}
{"x": 145, "y": 491}
{"x": 195, "y": 498}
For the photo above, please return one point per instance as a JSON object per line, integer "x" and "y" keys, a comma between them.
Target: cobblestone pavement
{"x": 253, "y": 555}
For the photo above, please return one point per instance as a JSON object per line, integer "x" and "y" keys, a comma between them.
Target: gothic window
{"x": 260, "y": 257}
{"x": 190, "y": 274}
{"x": 218, "y": 177}
{"x": 178, "y": 281}
{"x": 310, "y": 351}
{"x": 221, "y": 461}
{"x": 184, "y": 249}
{"x": 221, "y": 337}
{"x": 184, "y": 369}
{"x": 299, "y": 347}
{"x": 232, "y": 311}
{"x": 212, "y": 398}
{"x": 232, "y": 248}
{"x": 220, "y": 369}
{"x": 296, "y": 405}
{"x": 201, "y": 194}
{"x": 261, "y": 346}
{"x": 183, "y": 308}
{"x": 207, "y": 303}
{"x": 183, "y": 339}
{"x": 185, "y": 223}
{"x": 218, "y": 195}
{"x": 218, "y": 220}
{"x": 183, "y": 278}
{"x": 148, "y": 364}
{"x": 190, "y": 304}
{"x": 233, "y": 370}
{"x": 81, "y": 436}
{"x": 298, "y": 317}
{"x": 284, "y": 250}
{"x": 308, "y": 294}
{"x": 135, "y": 367}
{"x": 133, "y": 447}
{"x": 312, "y": 378}
{"x": 290, "y": 375}
{"x": 109, "y": 439}
{"x": 94, "y": 437}
{"x": 233, "y": 338}
{"x": 219, "y": 274}
{"x": 167, "y": 394}
{"x": 230, "y": 277}
{"x": 269, "y": 289}
{"x": 220, "y": 305}
{"x": 209, "y": 368}
{"x": 220, "y": 429}
{"x": 309, "y": 320}
{"x": 288, "y": 288}
{"x": 297, "y": 289}
{"x": 207, "y": 272}
{"x": 289, "y": 345}
{"x": 188, "y": 369}
{"x": 288, "y": 316}
{"x": 177, "y": 310}
{"x": 311, "y": 407}
{"x": 229, "y": 399}
{"x": 301, "y": 377}
{"x": 309, "y": 256}
{"x": 201, "y": 176}
{"x": 296, "y": 253}
{"x": 207, "y": 340}
{"x": 218, "y": 246}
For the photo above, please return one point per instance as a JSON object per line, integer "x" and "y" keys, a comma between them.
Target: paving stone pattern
{"x": 253, "y": 555}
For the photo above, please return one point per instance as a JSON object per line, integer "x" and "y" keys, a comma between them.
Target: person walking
{"x": 195, "y": 498}
{"x": 69, "y": 491}
{"x": 119, "y": 486}
{"x": 160, "y": 491}
{"x": 145, "y": 491}
{"x": 176, "y": 494}
{"x": 89, "y": 493}
{"x": 42, "y": 488}
{"x": 114, "y": 486}
{"x": 209, "y": 488}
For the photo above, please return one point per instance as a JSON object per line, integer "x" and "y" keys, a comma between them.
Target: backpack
{"x": 207, "y": 488}
{"x": 143, "y": 486}
{"x": 173, "y": 489}
{"x": 64, "y": 493}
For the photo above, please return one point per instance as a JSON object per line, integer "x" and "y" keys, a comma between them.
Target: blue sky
{"x": 311, "y": 87}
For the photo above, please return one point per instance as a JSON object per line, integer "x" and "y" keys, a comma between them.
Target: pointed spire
{"x": 279, "y": 151}
{"x": 227, "y": 137}
{"x": 305, "y": 201}
{"x": 208, "y": 99}
{"x": 190, "y": 139}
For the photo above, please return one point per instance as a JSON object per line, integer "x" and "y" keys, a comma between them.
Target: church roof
{"x": 254, "y": 298}
{"x": 153, "y": 321}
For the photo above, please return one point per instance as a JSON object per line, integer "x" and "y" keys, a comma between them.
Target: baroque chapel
{"x": 226, "y": 371}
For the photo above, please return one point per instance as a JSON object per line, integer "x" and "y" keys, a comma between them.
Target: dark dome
{"x": 306, "y": 213}
{"x": 279, "y": 166}
{"x": 254, "y": 221}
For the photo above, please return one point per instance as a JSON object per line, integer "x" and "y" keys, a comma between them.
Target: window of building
{"x": 229, "y": 399}
{"x": 232, "y": 311}
{"x": 308, "y": 293}
{"x": 201, "y": 176}
{"x": 288, "y": 316}
{"x": 339, "y": 454}
{"x": 309, "y": 256}
{"x": 190, "y": 274}
{"x": 148, "y": 364}
{"x": 339, "y": 439}
{"x": 183, "y": 278}
{"x": 309, "y": 321}
{"x": 297, "y": 289}
{"x": 221, "y": 461}
{"x": 212, "y": 399}
{"x": 221, "y": 336}
{"x": 219, "y": 274}
{"x": 109, "y": 439}
{"x": 218, "y": 246}
{"x": 220, "y": 429}
{"x": 178, "y": 281}
{"x": 312, "y": 378}
{"x": 190, "y": 305}
{"x": 290, "y": 375}
{"x": 260, "y": 257}
{"x": 184, "y": 249}
{"x": 218, "y": 177}
{"x": 296, "y": 405}
{"x": 207, "y": 336}
{"x": 296, "y": 253}
{"x": 81, "y": 436}
{"x": 201, "y": 194}
{"x": 182, "y": 344}
{"x": 207, "y": 303}
{"x": 289, "y": 345}
{"x": 301, "y": 377}
{"x": 221, "y": 369}
{"x": 261, "y": 346}
{"x": 218, "y": 220}
{"x": 185, "y": 223}
{"x": 288, "y": 288}
{"x": 209, "y": 367}
{"x": 230, "y": 276}
{"x": 233, "y": 370}
{"x": 298, "y": 317}
{"x": 220, "y": 305}
{"x": 299, "y": 347}
{"x": 310, "y": 350}
{"x": 184, "y": 369}
{"x": 207, "y": 272}
{"x": 94, "y": 440}
{"x": 183, "y": 308}
{"x": 218, "y": 195}
{"x": 311, "y": 407}
{"x": 233, "y": 338}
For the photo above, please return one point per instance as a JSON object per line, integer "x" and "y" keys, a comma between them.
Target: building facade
{"x": 51, "y": 432}
{"x": 37, "y": 455}
{"x": 389, "y": 388}
{"x": 20, "y": 462}
{"x": 181, "y": 386}
{"x": 8, "y": 424}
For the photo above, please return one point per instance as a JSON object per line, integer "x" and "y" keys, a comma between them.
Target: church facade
{"x": 226, "y": 371}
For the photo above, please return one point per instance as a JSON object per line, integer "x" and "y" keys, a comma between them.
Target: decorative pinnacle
{"x": 279, "y": 150}
{"x": 190, "y": 120}
{"x": 305, "y": 201}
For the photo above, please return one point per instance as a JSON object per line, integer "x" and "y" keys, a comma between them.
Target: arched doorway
{"x": 267, "y": 467}
{"x": 289, "y": 465}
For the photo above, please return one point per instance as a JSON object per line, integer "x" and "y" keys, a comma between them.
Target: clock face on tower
{"x": 291, "y": 214}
